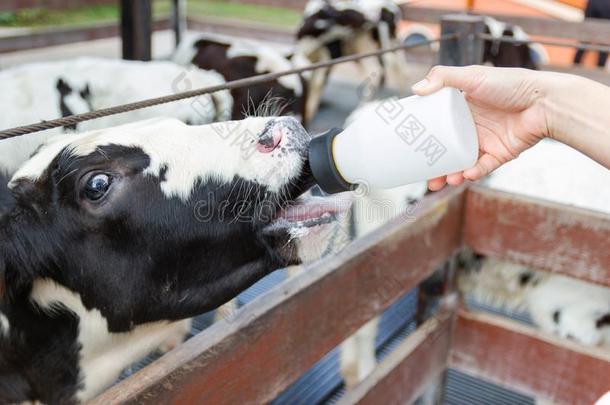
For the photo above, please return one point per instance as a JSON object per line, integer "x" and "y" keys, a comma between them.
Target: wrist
{"x": 554, "y": 103}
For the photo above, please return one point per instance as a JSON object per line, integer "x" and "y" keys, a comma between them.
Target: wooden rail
{"x": 597, "y": 31}
{"x": 402, "y": 376}
{"x": 43, "y": 37}
{"x": 12, "y": 5}
{"x": 270, "y": 343}
{"x": 538, "y": 233}
{"x": 519, "y": 357}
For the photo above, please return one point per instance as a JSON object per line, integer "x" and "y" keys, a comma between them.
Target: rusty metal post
{"x": 467, "y": 48}
{"x": 136, "y": 29}
{"x": 178, "y": 19}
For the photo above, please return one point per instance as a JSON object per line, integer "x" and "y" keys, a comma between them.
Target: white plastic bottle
{"x": 399, "y": 142}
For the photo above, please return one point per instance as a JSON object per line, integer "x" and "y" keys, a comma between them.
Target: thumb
{"x": 464, "y": 78}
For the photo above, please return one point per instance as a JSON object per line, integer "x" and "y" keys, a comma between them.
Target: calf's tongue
{"x": 315, "y": 207}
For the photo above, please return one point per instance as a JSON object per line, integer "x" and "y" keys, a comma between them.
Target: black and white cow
{"x": 42, "y": 91}
{"x": 504, "y": 54}
{"x": 236, "y": 59}
{"x": 557, "y": 304}
{"x": 109, "y": 237}
{"x": 347, "y": 27}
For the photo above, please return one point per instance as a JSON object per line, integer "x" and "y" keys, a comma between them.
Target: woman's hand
{"x": 508, "y": 109}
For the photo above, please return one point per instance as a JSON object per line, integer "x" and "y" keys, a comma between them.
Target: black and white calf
{"x": 110, "y": 237}
{"x": 347, "y": 27}
{"x": 43, "y": 91}
{"x": 561, "y": 305}
{"x": 236, "y": 59}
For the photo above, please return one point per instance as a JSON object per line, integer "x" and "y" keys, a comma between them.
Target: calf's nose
{"x": 270, "y": 139}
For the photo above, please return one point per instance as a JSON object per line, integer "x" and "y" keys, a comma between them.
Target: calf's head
{"x": 156, "y": 220}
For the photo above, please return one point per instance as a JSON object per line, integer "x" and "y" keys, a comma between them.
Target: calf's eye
{"x": 97, "y": 186}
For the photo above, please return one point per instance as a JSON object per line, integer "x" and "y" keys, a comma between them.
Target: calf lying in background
{"x": 109, "y": 237}
{"x": 43, "y": 91}
{"x": 557, "y": 304}
{"x": 236, "y": 59}
{"x": 348, "y": 27}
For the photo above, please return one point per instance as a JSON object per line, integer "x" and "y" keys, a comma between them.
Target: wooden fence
{"x": 13, "y": 5}
{"x": 258, "y": 353}
{"x": 273, "y": 340}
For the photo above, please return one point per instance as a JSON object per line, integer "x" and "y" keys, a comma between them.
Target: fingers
{"x": 453, "y": 179}
{"x": 464, "y": 78}
{"x": 486, "y": 164}
{"x": 437, "y": 183}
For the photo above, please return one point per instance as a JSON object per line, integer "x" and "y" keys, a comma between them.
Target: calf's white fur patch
{"x": 188, "y": 153}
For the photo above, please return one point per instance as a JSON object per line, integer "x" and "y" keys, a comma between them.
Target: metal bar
{"x": 136, "y": 29}
{"x": 272, "y": 341}
{"x": 75, "y": 119}
{"x": 403, "y": 376}
{"x": 178, "y": 20}
{"x": 540, "y": 234}
{"x": 466, "y": 48}
{"x": 587, "y": 47}
{"x": 522, "y": 358}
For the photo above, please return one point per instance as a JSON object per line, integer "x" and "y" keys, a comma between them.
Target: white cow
{"x": 43, "y": 91}
{"x": 557, "y": 304}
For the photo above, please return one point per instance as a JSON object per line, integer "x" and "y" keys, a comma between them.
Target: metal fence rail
{"x": 564, "y": 44}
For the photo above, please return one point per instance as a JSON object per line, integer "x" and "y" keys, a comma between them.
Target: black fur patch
{"x": 212, "y": 55}
{"x": 603, "y": 321}
{"x": 525, "y": 278}
{"x": 504, "y": 54}
{"x": 556, "y": 316}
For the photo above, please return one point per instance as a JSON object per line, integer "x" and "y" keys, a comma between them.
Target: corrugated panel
{"x": 323, "y": 382}
{"x": 462, "y": 389}
{"x": 521, "y": 316}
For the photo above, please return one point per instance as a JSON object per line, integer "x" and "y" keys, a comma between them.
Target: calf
{"x": 348, "y": 27}
{"x": 45, "y": 91}
{"x": 109, "y": 237}
{"x": 236, "y": 59}
{"x": 504, "y": 54}
{"x": 557, "y": 304}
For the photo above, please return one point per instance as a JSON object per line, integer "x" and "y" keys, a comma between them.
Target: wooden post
{"x": 136, "y": 29}
{"x": 178, "y": 19}
{"x": 467, "y": 48}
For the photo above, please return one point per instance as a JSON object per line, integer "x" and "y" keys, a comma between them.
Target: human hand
{"x": 508, "y": 109}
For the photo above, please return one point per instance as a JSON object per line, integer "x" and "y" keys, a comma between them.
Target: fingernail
{"x": 421, "y": 85}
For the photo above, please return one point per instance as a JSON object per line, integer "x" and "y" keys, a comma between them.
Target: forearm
{"x": 578, "y": 114}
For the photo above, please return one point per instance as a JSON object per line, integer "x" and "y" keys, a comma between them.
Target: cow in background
{"x": 236, "y": 59}
{"x": 348, "y": 27}
{"x": 504, "y": 54}
{"x": 48, "y": 90}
